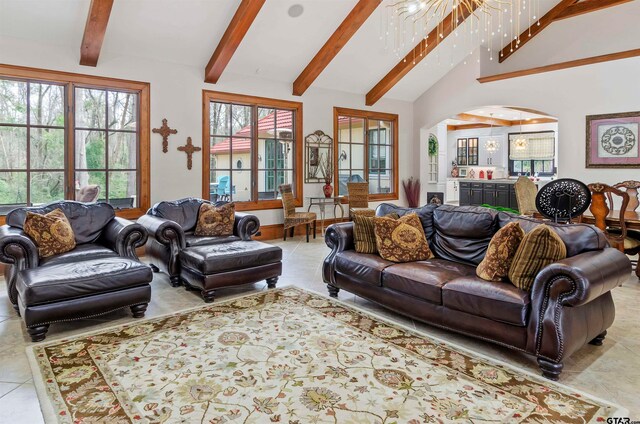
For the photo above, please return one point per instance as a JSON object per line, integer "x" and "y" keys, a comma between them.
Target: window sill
{"x": 375, "y": 197}
{"x": 263, "y": 205}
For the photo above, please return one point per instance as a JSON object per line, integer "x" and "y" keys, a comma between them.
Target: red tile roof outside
{"x": 284, "y": 120}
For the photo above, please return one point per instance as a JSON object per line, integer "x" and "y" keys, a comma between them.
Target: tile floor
{"x": 611, "y": 371}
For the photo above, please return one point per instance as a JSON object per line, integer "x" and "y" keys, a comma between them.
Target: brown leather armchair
{"x": 171, "y": 224}
{"x": 101, "y": 274}
{"x": 569, "y": 305}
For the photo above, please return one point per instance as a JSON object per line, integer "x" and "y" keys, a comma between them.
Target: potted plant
{"x": 326, "y": 168}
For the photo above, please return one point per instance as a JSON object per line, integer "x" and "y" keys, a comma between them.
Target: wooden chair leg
{"x": 285, "y": 234}
{"x": 292, "y": 233}
{"x": 307, "y": 231}
{"x": 315, "y": 222}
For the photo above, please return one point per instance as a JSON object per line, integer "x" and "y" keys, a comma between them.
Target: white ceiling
{"x": 276, "y": 47}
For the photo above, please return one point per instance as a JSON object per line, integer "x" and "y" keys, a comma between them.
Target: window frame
{"x": 209, "y": 96}
{"x": 368, "y": 115}
{"x": 72, "y": 80}
{"x": 554, "y": 167}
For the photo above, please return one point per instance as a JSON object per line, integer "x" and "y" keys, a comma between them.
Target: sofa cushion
{"x": 401, "y": 240}
{"x": 193, "y": 240}
{"x": 211, "y": 259}
{"x": 540, "y": 247}
{"x": 424, "y": 279}
{"x": 364, "y": 232}
{"x": 502, "y": 249}
{"x": 361, "y": 266}
{"x": 216, "y": 221}
{"x": 183, "y": 211}
{"x": 463, "y": 233}
{"x": 425, "y": 213}
{"x": 501, "y": 302}
{"x": 87, "y": 219}
{"x": 82, "y": 252}
{"x": 51, "y": 232}
{"x": 578, "y": 238}
{"x": 66, "y": 281}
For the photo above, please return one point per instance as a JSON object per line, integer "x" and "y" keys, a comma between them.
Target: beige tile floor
{"x": 611, "y": 371}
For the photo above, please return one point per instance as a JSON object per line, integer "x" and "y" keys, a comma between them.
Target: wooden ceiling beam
{"x": 237, "y": 29}
{"x": 534, "y": 29}
{"x": 466, "y": 127}
{"x": 354, "y": 20}
{"x": 419, "y": 52}
{"x": 483, "y": 120}
{"x": 588, "y": 6}
{"x": 94, "y": 30}
{"x": 533, "y": 121}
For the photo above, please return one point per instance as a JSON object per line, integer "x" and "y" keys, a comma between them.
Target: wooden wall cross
{"x": 189, "y": 149}
{"x": 165, "y": 131}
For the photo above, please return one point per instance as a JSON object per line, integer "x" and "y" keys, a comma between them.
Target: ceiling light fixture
{"x": 492, "y": 144}
{"x": 296, "y": 10}
{"x": 521, "y": 142}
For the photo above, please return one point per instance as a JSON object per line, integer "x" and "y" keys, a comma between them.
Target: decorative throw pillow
{"x": 364, "y": 232}
{"x": 540, "y": 247}
{"x": 500, "y": 253}
{"x": 215, "y": 221}
{"x": 52, "y": 232}
{"x": 401, "y": 240}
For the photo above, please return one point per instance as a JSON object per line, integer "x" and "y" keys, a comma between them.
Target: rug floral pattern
{"x": 288, "y": 356}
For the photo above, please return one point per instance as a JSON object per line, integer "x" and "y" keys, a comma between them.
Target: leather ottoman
{"x": 77, "y": 290}
{"x": 210, "y": 267}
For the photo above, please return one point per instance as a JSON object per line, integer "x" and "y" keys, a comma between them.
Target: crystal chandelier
{"x": 521, "y": 142}
{"x": 408, "y": 21}
{"x": 491, "y": 145}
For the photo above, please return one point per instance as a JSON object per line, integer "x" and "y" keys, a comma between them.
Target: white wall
{"x": 176, "y": 94}
{"x": 569, "y": 95}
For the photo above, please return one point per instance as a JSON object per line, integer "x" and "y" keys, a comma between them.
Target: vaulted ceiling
{"x": 276, "y": 46}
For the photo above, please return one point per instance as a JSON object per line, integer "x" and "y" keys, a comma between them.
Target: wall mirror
{"x": 318, "y": 150}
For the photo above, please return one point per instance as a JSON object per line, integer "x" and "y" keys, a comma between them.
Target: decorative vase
{"x": 327, "y": 189}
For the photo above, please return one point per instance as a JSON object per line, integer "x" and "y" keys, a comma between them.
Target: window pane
{"x": 241, "y": 186}
{"x": 90, "y": 149}
{"x": 122, "y": 151}
{"x": 240, "y": 147}
{"x": 344, "y": 156}
{"x": 13, "y": 148}
{"x": 123, "y": 189}
{"x": 220, "y": 153}
{"x": 90, "y": 108}
{"x": 385, "y": 132}
{"x": 267, "y": 123}
{"x": 123, "y": 110}
{"x": 241, "y": 120}
{"x": 47, "y": 148}
{"x": 46, "y": 187}
{"x": 267, "y": 187}
{"x": 284, "y": 124}
{"x": 357, "y": 156}
{"x": 13, "y": 190}
{"x": 85, "y": 178}
{"x": 344, "y": 136}
{"x": 47, "y": 104}
{"x": 13, "y": 102}
{"x": 219, "y": 118}
{"x": 357, "y": 130}
{"x": 382, "y": 182}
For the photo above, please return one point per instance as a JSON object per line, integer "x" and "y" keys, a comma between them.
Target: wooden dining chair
{"x": 292, "y": 218}
{"x": 632, "y": 241}
{"x": 359, "y": 199}
{"x": 600, "y": 192}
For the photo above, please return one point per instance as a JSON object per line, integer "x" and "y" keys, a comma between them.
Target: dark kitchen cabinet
{"x": 496, "y": 194}
{"x": 490, "y": 193}
{"x": 471, "y": 194}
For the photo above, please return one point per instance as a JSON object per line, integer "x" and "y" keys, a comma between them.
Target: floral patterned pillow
{"x": 215, "y": 221}
{"x": 52, "y": 232}
{"x": 502, "y": 249}
{"x": 401, "y": 240}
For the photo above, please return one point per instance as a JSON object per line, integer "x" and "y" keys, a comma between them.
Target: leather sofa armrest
{"x": 124, "y": 236}
{"x": 339, "y": 237}
{"x": 17, "y": 248}
{"x": 582, "y": 278}
{"x": 245, "y": 225}
{"x": 165, "y": 231}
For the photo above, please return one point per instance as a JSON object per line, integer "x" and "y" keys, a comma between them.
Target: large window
{"x": 536, "y": 155}
{"x": 366, "y": 151}
{"x": 254, "y": 147}
{"x": 70, "y": 136}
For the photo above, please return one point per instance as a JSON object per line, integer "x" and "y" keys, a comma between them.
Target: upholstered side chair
{"x": 526, "y": 192}
{"x": 292, "y": 218}
{"x": 359, "y": 199}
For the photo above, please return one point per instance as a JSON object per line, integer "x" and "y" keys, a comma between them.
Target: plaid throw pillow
{"x": 52, "y": 232}
{"x": 364, "y": 233}
{"x": 215, "y": 221}
{"x": 539, "y": 248}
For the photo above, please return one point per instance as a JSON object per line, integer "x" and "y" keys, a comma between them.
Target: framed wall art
{"x": 613, "y": 140}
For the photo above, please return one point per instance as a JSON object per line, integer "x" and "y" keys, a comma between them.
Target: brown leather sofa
{"x": 100, "y": 275}
{"x": 570, "y": 303}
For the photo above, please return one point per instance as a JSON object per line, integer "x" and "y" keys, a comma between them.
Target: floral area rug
{"x": 289, "y": 356}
